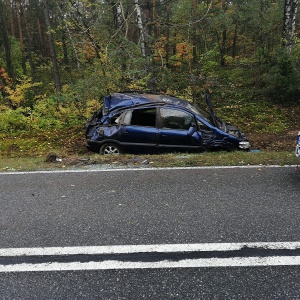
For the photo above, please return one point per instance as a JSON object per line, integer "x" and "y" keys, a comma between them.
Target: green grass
{"x": 40, "y": 143}
{"x": 95, "y": 161}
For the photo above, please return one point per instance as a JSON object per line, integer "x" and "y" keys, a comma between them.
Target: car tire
{"x": 110, "y": 149}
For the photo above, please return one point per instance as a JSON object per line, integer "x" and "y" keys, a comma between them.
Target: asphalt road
{"x": 145, "y": 207}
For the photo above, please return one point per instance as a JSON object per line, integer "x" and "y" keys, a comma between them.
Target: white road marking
{"x": 167, "y": 248}
{"x": 109, "y": 169}
{"x": 117, "y": 249}
{"x": 188, "y": 263}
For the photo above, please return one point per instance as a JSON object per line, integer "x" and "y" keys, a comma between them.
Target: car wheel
{"x": 110, "y": 149}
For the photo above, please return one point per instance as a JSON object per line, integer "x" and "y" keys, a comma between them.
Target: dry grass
{"x": 94, "y": 161}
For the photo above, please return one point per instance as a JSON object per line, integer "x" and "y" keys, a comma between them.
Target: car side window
{"x": 141, "y": 117}
{"x": 175, "y": 119}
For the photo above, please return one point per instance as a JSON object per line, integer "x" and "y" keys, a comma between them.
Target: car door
{"x": 178, "y": 129}
{"x": 139, "y": 128}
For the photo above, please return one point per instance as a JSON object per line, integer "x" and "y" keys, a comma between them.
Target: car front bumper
{"x": 244, "y": 145}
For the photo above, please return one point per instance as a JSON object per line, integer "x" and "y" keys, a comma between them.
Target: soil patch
{"x": 273, "y": 141}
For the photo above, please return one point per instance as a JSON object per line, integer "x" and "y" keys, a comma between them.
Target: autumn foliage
{"x": 58, "y": 59}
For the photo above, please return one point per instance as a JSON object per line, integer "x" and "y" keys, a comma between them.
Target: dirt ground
{"x": 273, "y": 141}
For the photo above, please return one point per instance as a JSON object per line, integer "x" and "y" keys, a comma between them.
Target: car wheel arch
{"x": 110, "y": 148}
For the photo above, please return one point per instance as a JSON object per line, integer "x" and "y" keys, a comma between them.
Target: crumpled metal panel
{"x": 118, "y": 100}
{"x": 104, "y": 131}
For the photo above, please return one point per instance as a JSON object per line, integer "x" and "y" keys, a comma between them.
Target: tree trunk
{"x": 41, "y": 40}
{"x": 194, "y": 37}
{"x": 140, "y": 26}
{"x": 10, "y": 8}
{"x": 234, "y": 42}
{"x": 28, "y": 43}
{"x": 119, "y": 14}
{"x": 223, "y": 47}
{"x": 21, "y": 37}
{"x": 289, "y": 21}
{"x": 6, "y": 41}
{"x": 67, "y": 29}
{"x": 52, "y": 48}
{"x": 167, "y": 31}
{"x": 224, "y": 38}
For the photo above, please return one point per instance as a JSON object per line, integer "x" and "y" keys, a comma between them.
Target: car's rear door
{"x": 175, "y": 130}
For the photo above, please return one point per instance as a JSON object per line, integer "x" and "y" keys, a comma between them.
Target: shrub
{"x": 280, "y": 79}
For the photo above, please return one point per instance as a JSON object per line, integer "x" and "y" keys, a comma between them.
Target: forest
{"x": 59, "y": 58}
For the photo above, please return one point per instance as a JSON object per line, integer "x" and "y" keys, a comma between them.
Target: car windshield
{"x": 202, "y": 113}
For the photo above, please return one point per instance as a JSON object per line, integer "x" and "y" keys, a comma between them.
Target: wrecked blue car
{"x": 297, "y": 150}
{"x": 147, "y": 122}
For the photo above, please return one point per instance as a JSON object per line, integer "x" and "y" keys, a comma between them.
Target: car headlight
{"x": 100, "y": 131}
{"x": 244, "y": 145}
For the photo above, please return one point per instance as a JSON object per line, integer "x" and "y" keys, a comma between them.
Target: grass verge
{"x": 94, "y": 161}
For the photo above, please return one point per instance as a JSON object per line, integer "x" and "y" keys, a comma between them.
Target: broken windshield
{"x": 202, "y": 113}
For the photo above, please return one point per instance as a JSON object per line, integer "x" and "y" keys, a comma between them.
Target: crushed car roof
{"x": 123, "y": 99}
